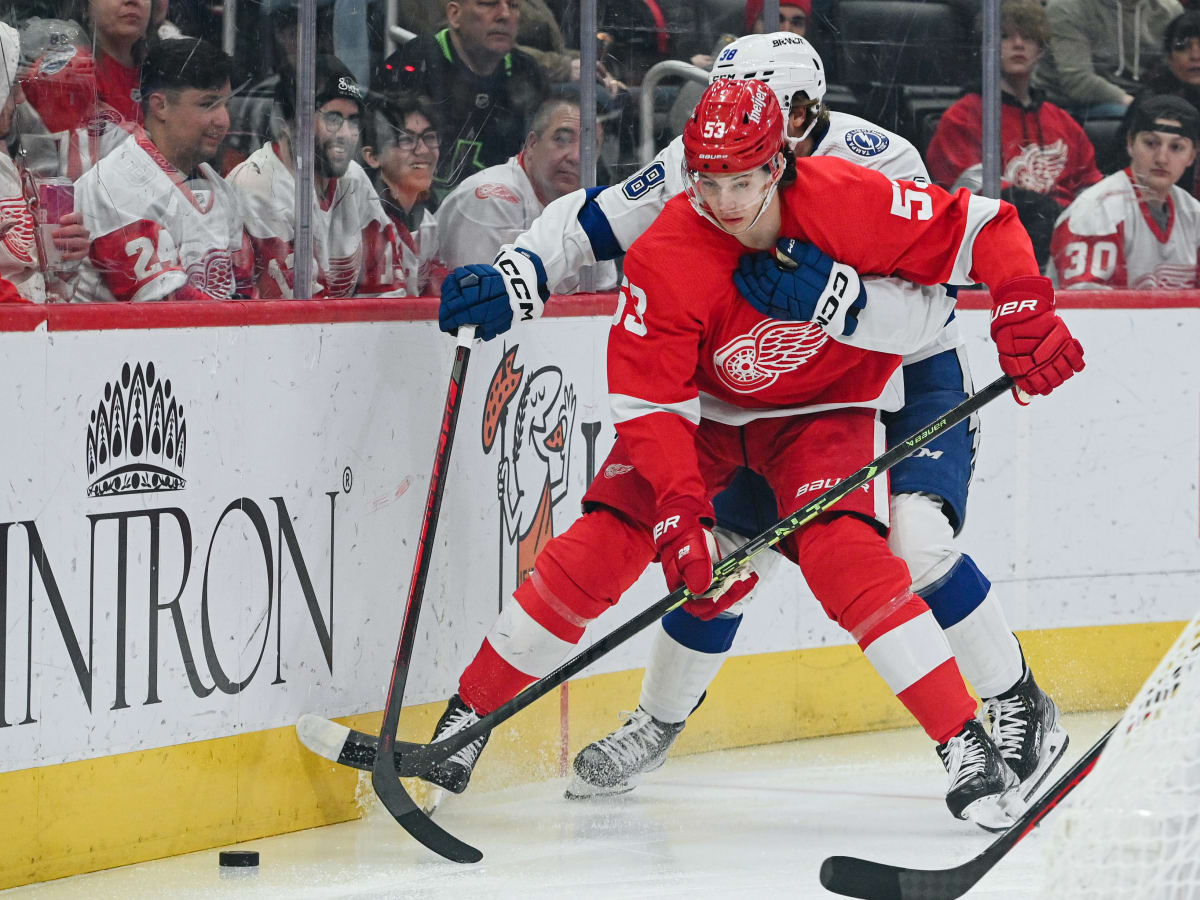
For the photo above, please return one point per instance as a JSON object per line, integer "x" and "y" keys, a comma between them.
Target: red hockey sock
{"x": 865, "y": 588}
{"x": 577, "y": 576}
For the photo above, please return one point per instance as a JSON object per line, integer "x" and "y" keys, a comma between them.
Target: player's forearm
{"x": 1002, "y": 249}
{"x": 559, "y": 239}
{"x": 662, "y": 446}
{"x": 900, "y": 317}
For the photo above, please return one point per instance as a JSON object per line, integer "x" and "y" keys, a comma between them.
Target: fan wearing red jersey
{"x": 732, "y": 387}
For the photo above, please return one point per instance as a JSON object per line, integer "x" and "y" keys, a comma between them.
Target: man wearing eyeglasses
{"x": 492, "y": 207}
{"x": 354, "y": 242}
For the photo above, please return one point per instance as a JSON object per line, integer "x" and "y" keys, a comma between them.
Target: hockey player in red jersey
{"x": 731, "y": 388}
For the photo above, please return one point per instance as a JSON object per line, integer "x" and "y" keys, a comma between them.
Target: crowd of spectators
{"x": 141, "y": 162}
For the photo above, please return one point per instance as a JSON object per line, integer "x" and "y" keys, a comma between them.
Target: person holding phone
{"x": 34, "y": 252}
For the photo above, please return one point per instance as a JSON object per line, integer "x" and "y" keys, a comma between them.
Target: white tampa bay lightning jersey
{"x": 1109, "y": 238}
{"x": 584, "y": 226}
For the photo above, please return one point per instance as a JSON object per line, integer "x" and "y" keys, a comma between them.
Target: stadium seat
{"x": 902, "y": 42}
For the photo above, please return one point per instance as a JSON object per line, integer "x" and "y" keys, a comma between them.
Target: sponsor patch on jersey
{"x": 866, "y": 141}
{"x": 499, "y": 191}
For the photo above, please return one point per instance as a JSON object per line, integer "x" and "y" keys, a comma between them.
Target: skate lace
{"x": 456, "y": 722}
{"x": 973, "y": 761}
{"x": 627, "y": 744}
{"x": 1009, "y": 724}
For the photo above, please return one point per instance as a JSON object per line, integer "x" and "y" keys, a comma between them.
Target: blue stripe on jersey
{"x": 713, "y": 636}
{"x": 596, "y": 227}
{"x": 958, "y": 594}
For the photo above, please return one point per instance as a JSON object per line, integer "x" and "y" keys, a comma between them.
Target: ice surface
{"x": 752, "y": 822}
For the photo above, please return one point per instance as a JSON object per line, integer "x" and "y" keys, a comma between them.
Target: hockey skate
{"x": 1026, "y": 728}
{"x": 983, "y": 789}
{"x": 454, "y": 773}
{"x": 614, "y": 764}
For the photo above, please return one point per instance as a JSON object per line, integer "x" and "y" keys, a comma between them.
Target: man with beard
{"x": 166, "y": 226}
{"x": 492, "y": 207}
{"x": 354, "y": 242}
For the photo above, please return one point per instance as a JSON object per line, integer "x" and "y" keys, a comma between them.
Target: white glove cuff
{"x": 521, "y": 282}
{"x": 838, "y": 298}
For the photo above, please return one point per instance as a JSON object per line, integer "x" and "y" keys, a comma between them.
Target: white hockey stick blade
{"x": 322, "y": 736}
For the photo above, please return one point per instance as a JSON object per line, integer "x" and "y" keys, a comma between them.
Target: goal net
{"x": 1131, "y": 830}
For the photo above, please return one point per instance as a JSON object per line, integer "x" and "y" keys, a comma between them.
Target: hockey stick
{"x": 854, "y": 877}
{"x": 383, "y": 774}
{"x": 353, "y": 748}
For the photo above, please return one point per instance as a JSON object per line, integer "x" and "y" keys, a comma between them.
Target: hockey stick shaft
{"x": 863, "y": 878}
{"x": 417, "y": 759}
{"x": 383, "y": 774}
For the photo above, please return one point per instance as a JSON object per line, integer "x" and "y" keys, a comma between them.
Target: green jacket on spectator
{"x": 1101, "y": 50}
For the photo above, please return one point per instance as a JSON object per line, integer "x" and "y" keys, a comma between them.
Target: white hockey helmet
{"x": 785, "y": 62}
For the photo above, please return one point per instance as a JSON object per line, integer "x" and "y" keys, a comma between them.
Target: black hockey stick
{"x": 854, "y": 877}
{"x": 383, "y": 774}
{"x": 417, "y": 759}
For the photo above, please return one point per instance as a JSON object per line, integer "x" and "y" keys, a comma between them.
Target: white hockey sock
{"x": 988, "y": 653}
{"x": 676, "y": 677}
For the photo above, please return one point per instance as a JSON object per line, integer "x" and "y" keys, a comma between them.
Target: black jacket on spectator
{"x": 484, "y": 120}
{"x": 1163, "y": 81}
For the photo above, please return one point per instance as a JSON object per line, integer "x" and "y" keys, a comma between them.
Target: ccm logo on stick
{"x": 518, "y": 286}
{"x": 1013, "y": 306}
{"x": 661, "y": 527}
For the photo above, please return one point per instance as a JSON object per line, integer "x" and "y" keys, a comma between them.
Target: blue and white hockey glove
{"x": 802, "y": 283}
{"x": 488, "y": 297}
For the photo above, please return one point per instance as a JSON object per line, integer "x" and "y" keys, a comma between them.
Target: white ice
{"x": 751, "y": 822}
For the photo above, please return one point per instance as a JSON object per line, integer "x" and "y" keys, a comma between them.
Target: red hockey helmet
{"x": 737, "y": 126}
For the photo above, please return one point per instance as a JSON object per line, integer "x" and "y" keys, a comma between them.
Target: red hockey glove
{"x": 687, "y": 550}
{"x": 1036, "y": 348}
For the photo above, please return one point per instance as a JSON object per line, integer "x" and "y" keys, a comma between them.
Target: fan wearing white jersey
{"x": 1137, "y": 229}
{"x": 165, "y": 225}
{"x": 929, "y": 493}
{"x": 354, "y": 241}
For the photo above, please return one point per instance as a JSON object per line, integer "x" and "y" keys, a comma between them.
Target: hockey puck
{"x": 239, "y": 859}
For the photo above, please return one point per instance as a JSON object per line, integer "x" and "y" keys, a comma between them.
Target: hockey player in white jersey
{"x": 928, "y": 493}
{"x": 1137, "y": 228}
{"x": 354, "y": 242}
{"x": 164, "y": 224}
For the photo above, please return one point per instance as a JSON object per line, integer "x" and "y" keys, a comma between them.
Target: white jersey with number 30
{"x": 1109, "y": 238}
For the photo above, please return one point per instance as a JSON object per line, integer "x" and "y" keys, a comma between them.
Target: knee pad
{"x": 585, "y": 570}
{"x": 922, "y": 536}
{"x": 850, "y": 569}
{"x": 958, "y": 593}
{"x": 713, "y": 636}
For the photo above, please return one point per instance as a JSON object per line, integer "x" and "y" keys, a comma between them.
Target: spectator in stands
{"x": 1046, "y": 157}
{"x": 165, "y": 225}
{"x": 1178, "y": 74}
{"x": 420, "y": 16}
{"x": 483, "y": 89}
{"x": 793, "y": 16}
{"x": 400, "y": 148}
{"x": 353, "y": 239}
{"x": 1137, "y": 229}
{"x": 118, "y": 29}
{"x": 540, "y": 36}
{"x": 65, "y": 125}
{"x": 21, "y": 263}
{"x": 250, "y": 109}
{"x": 1100, "y": 51}
{"x": 492, "y": 207}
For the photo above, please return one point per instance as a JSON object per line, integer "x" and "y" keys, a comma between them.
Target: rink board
{"x": 162, "y": 634}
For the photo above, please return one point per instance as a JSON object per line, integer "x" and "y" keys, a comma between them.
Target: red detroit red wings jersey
{"x": 684, "y": 345}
